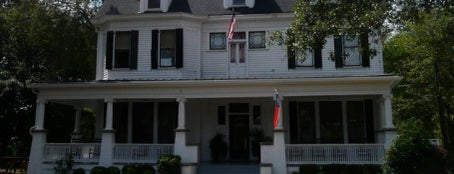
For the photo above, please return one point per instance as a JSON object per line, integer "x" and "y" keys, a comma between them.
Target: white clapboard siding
{"x": 201, "y": 62}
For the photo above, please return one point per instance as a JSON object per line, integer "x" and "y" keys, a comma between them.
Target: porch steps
{"x": 228, "y": 168}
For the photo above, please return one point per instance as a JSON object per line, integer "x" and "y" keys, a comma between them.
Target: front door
{"x": 238, "y": 62}
{"x": 239, "y": 136}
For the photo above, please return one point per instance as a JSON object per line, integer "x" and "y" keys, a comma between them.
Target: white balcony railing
{"x": 140, "y": 153}
{"x": 335, "y": 153}
{"x": 80, "y": 152}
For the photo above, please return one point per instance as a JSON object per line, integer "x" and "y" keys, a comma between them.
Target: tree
{"x": 40, "y": 41}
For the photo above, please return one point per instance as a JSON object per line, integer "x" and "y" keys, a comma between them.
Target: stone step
{"x": 228, "y": 168}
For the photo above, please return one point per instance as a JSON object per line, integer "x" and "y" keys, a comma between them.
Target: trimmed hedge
{"x": 340, "y": 169}
{"x": 79, "y": 171}
{"x": 169, "y": 164}
{"x": 113, "y": 170}
{"x": 98, "y": 170}
{"x": 129, "y": 169}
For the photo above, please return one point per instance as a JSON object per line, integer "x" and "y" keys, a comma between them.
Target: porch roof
{"x": 217, "y": 88}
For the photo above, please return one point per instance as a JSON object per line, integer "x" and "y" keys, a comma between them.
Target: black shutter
{"x": 134, "y": 49}
{"x": 365, "y": 55}
{"x": 338, "y": 52}
{"x": 109, "y": 49}
{"x": 318, "y": 58}
{"x": 179, "y": 48}
{"x": 369, "y": 112}
{"x": 154, "y": 49}
{"x": 291, "y": 57}
{"x": 293, "y": 123}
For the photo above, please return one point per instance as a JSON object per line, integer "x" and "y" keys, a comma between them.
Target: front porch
{"x": 347, "y": 126}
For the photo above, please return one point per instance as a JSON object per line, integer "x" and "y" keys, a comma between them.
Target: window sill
{"x": 224, "y": 50}
{"x": 258, "y": 49}
{"x": 153, "y": 10}
{"x": 122, "y": 69}
{"x": 353, "y": 67}
{"x": 306, "y": 68}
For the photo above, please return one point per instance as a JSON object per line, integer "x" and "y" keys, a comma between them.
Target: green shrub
{"x": 98, "y": 170}
{"x": 145, "y": 169}
{"x": 79, "y": 171}
{"x": 113, "y": 170}
{"x": 169, "y": 164}
{"x": 129, "y": 169}
{"x": 412, "y": 153}
{"x": 309, "y": 169}
{"x": 295, "y": 172}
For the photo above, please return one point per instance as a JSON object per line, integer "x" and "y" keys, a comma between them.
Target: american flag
{"x": 276, "y": 110}
{"x": 231, "y": 27}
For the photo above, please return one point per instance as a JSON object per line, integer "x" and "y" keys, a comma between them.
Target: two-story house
{"x": 168, "y": 80}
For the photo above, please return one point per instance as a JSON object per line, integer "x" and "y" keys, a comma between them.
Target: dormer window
{"x": 154, "y": 5}
{"x": 238, "y": 3}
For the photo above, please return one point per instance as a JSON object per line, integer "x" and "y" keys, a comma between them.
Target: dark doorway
{"x": 239, "y": 137}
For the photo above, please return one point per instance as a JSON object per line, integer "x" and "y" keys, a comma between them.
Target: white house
{"x": 168, "y": 80}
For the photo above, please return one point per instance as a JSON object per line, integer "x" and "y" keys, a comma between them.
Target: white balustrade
{"x": 80, "y": 152}
{"x": 335, "y": 153}
{"x": 140, "y": 153}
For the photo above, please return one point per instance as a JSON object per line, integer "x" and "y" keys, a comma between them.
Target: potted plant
{"x": 218, "y": 147}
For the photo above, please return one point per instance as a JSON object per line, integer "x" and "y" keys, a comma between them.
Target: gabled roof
{"x": 198, "y": 7}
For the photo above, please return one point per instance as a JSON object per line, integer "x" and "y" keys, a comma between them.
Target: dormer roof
{"x": 197, "y": 7}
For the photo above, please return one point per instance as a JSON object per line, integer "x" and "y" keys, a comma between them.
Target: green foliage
{"x": 79, "y": 171}
{"x": 64, "y": 165}
{"x": 112, "y": 170}
{"x": 53, "y": 40}
{"x": 98, "y": 170}
{"x": 129, "y": 169}
{"x": 309, "y": 169}
{"x": 412, "y": 153}
{"x": 145, "y": 169}
{"x": 340, "y": 169}
{"x": 218, "y": 147}
{"x": 169, "y": 164}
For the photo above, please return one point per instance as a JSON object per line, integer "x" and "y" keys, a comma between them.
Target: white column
{"x": 77, "y": 120}
{"x": 38, "y": 132}
{"x": 181, "y": 113}
{"x": 108, "y": 137}
{"x": 109, "y": 114}
{"x": 180, "y": 132}
{"x": 388, "y": 111}
{"x": 39, "y": 117}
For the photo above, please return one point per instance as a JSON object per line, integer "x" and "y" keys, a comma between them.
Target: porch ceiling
{"x": 364, "y": 85}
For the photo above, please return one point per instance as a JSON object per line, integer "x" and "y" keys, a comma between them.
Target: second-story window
{"x": 347, "y": 51}
{"x": 154, "y": 3}
{"x": 167, "y": 48}
{"x": 305, "y": 59}
{"x": 237, "y": 48}
{"x": 257, "y": 39}
{"x": 121, "y": 49}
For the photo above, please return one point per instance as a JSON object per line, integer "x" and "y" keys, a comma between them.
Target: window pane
{"x": 167, "y": 118}
{"x": 257, "y": 39}
{"x": 217, "y": 41}
{"x": 306, "y": 59}
{"x": 122, "y": 48}
{"x": 239, "y": 35}
{"x": 355, "y": 122}
{"x": 142, "y": 119}
{"x": 331, "y": 129}
{"x": 120, "y": 122}
{"x": 306, "y": 131}
{"x": 232, "y": 52}
{"x": 154, "y": 3}
{"x": 352, "y": 56}
{"x": 167, "y": 50}
{"x": 239, "y": 2}
{"x": 351, "y": 52}
{"x": 242, "y": 53}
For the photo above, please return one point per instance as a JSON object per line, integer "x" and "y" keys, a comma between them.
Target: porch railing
{"x": 335, "y": 153}
{"x": 80, "y": 152}
{"x": 140, "y": 153}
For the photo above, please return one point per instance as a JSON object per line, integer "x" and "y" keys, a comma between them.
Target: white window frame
{"x": 247, "y": 3}
{"x": 173, "y": 63}
{"x": 237, "y": 42}
{"x": 355, "y": 49}
{"x": 114, "y": 54}
{"x": 309, "y": 55}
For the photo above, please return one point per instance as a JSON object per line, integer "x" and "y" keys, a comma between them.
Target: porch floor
{"x": 229, "y": 168}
